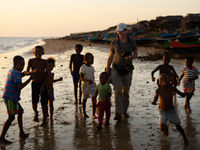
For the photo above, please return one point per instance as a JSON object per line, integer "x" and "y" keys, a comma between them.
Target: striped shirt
{"x": 189, "y": 73}
{"x": 11, "y": 90}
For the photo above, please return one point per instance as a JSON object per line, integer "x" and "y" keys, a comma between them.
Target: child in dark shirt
{"x": 49, "y": 84}
{"x": 166, "y": 68}
{"x": 38, "y": 66}
{"x": 76, "y": 61}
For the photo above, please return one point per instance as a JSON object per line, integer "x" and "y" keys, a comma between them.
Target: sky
{"x": 57, "y": 18}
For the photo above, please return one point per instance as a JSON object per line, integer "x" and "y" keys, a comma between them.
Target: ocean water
{"x": 15, "y": 43}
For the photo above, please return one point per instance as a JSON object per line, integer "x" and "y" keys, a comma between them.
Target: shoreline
{"x": 70, "y": 131}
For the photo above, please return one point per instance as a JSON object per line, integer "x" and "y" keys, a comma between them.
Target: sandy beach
{"x": 70, "y": 131}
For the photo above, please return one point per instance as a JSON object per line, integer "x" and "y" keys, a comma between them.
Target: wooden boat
{"x": 183, "y": 47}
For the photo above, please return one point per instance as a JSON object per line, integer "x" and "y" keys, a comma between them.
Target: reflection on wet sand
{"x": 190, "y": 130}
{"x": 44, "y": 137}
{"x": 114, "y": 137}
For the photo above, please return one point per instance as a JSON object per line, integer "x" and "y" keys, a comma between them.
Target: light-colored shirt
{"x": 103, "y": 91}
{"x": 88, "y": 72}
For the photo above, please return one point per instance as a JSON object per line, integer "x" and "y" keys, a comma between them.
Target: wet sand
{"x": 70, "y": 131}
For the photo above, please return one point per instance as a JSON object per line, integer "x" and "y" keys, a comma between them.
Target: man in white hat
{"x": 122, "y": 51}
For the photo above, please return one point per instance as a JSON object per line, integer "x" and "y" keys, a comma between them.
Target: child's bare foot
{"x": 94, "y": 117}
{"x": 85, "y": 116}
{"x": 44, "y": 123}
{"x": 107, "y": 123}
{"x": 186, "y": 141}
{"x": 36, "y": 118}
{"x": 23, "y": 135}
{"x": 99, "y": 127}
{"x": 126, "y": 115}
{"x": 51, "y": 119}
{"x": 4, "y": 141}
{"x": 185, "y": 106}
{"x": 189, "y": 110}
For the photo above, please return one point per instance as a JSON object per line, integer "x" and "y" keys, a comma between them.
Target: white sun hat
{"x": 121, "y": 27}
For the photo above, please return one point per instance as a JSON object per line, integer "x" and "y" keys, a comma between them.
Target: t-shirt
{"x": 122, "y": 49}
{"x": 88, "y": 72}
{"x": 103, "y": 91}
{"x": 188, "y": 74}
{"x": 11, "y": 90}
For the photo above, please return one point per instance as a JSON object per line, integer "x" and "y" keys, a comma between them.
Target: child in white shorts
{"x": 88, "y": 83}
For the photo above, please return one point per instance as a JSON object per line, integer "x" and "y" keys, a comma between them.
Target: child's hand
{"x": 153, "y": 79}
{"x": 60, "y": 79}
{"x": 178, "y": 81}
{"x": 32, "y": 76}
{"x": 153, "y": 103}
{"x": 26, "y": 73}
{"x": 90, "y": 82}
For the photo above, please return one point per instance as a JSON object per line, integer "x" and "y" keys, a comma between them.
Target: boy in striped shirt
{"x": 190, "y": 74}
{"x": 11, "y": 96}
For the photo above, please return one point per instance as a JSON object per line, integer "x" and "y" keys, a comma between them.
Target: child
{"x": 166, "y": 68}
{"x": 190, "y": 74}
{"x": 49, "y": 84}
{"x": 167, "y": 111}
{"x": 11, "y": 97}
{"x": 103, "y": 89}
{"x": 38, "y": 65}
{"x": 88, "y": 83}
{"x": 76, "y": 61}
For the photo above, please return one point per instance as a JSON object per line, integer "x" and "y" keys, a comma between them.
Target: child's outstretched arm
{"x": 22, "y": 85}
{"x": 56, "y": 80}
{"x": 155, "y": 97}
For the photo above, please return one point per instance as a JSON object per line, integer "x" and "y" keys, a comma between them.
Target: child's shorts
{"x": 170, "y": 115}
{"x": 189, "y": 90}
{"x": 88, "y": 90}
{"x": 12, "y": 107}
{"x": 51, "y": 95}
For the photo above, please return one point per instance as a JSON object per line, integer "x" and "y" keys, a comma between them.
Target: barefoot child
{"x": 49, "y": 84}
{"x": 166, "y": 68}
{"x": 76, "y": 61}
{"x": 11, "y": 98}
{"x": 88, "y": 83}
{"x": 38, "y": 65}
{"x": 167, "y": 111}
{"x": 104, "y": 90}
{"x": 190, "y": 74}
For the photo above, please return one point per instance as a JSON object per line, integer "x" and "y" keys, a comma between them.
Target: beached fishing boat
{"x": 183, "y": 47}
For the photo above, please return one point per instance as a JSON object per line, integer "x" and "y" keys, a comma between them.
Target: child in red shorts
{"x": 103, "y": 89}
